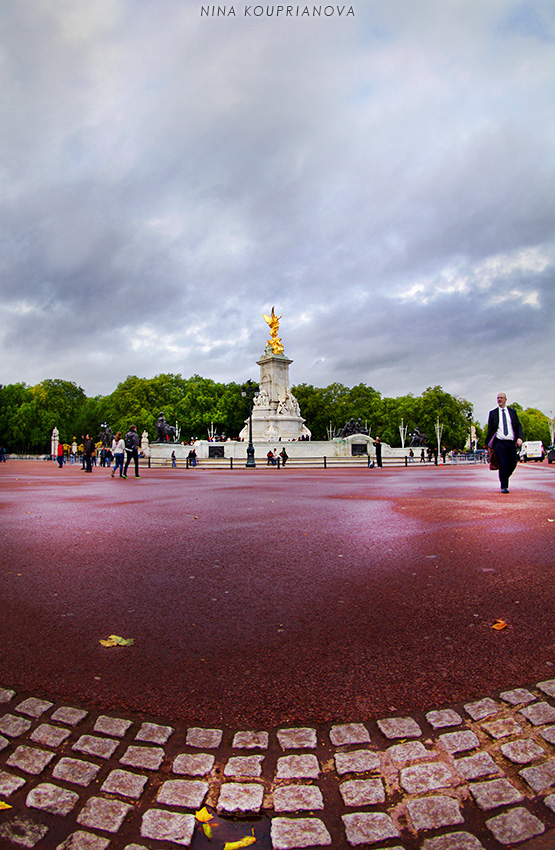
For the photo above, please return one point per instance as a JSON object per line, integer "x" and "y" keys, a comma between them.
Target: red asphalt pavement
{"x": 268, "y": 596}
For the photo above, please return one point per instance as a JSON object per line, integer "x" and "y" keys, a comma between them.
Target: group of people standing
{"x": 123, "y": 450}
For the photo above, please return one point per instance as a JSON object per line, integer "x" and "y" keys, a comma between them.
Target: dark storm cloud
{"x": 384, "y": 180}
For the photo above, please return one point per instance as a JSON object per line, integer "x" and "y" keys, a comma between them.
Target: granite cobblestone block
{"x": 240, "y": 799}
{"x": 453, "y": 841}
{"x": 188, "y": 793}
{"x": 23, "y": 832}
{"x": 297, "y": 739}
{"x": 539, "y": 714}
{"x": 426, "y": 777}
{"x": 434, "y": 812}
{"x": 399, "y": 727}
{"x": 292, "y": 833}
{"x": 49, "y": 736}
{"x": 82, "y": 840}
{"x": 106, "y": 815}
{"x": 154, "y": 733}
{"x": 161, "y": 825}
{"x": 90, "y": 745}
{"x": 247, "y": 766}
{"x": 204, "y": 739}
{"x": 251, "y": 741}
{"x": 52, "y": 798}
{"x": 33, "y": 707}
{"x": 76, "y": 771}
{"x": 482, "y": 708}
{"x": 114, "y": 726}
{"x": 495, "y": 793}
{"x": 518, "y": 696}
{"x": 356, "y": 761}
{"x": 547, "y": 687}
{"x": 13, "y": 726}
{"x": 9, "y": 783}
{"x": 548, "y": 734}
{"x": 459, "y": 742}
{"x": 3, "y": 743}
{"x": 298, "y": 798}
{"x": 193, "y": 764}
{"x": 541, "y": 777}
{"x": 362, "y": 792}
{"x": 6, "y": 695}
{"x": 441, "y": 719}
{"x": 522, "y": 752}
{"x": 401, "y": 754}
{"x": 69, "y": 716}
{"x": 30, "y": 760}
{"x": 503, "y": 728}
{"x": 125, "y": 783}
{"x": 516, "y": 825}
{"x": 473, "y": 767}
{"x": 298, "y": 767}
{"x": 147, "y": 758}
{"x": 369, "y": 828}
{"x": 349, "y": 733}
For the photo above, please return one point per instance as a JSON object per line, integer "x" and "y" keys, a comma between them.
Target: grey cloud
{"x": 379, "y": 180}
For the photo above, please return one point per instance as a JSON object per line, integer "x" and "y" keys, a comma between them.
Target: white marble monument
{"x": 276, "y": 416}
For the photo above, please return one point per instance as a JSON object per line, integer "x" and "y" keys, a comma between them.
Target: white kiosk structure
{"x": 276, "y": 416}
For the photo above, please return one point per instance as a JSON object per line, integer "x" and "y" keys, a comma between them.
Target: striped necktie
{"x": 505, "y": 426}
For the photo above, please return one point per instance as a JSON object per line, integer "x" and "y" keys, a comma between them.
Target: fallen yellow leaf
{"x": 203, "y": 815}
{"x": 4, "y": 805}
{"x": 116, "y": 640}
{"x": 207, "y": 829}
{"x": 499, "y": 624}
{"x": 244, "y": 842}
{"x": 551, "y": 520}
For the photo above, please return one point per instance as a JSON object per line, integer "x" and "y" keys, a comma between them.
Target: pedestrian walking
{"x": 118, "y": 450}
{"x": 174, "y": 464}
{"x": 89, "y": 449}
{"x": 504, "y": 436}
{"x": 284, "y": 456}
{"x": 132, "y": 450}
{"x": 378, "y": 447}
{"x": 60, "y": 455}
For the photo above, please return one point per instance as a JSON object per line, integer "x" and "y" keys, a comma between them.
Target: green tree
{"x": 12, "y": 397}
{"x": 535, "y": 425}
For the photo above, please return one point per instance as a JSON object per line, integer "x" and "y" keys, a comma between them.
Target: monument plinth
{"x": 276, "y": 415}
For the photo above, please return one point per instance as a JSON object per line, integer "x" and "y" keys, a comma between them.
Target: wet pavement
{"x": 314, "y": 659}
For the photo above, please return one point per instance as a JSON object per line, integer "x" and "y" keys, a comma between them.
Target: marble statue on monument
{"x": 276, "y": 415}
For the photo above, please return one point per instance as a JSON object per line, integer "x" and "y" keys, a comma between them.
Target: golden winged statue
{"x": 274, "y": 341}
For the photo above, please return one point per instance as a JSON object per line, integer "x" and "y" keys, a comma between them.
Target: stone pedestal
{"x": 276, "y": 415}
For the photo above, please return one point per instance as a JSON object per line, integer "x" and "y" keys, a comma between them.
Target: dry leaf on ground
{"x": 116, "y": 640}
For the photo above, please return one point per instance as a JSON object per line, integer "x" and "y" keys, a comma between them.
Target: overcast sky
{"x": 385, "y": 179}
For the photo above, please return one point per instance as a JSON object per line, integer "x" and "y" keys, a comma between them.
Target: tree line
{"x": 28, "y": 414}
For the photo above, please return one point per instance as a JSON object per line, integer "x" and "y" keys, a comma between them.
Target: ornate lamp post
{"x": 249, "y": 391}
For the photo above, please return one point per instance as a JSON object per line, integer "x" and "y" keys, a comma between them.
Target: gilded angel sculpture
{"x": 274, "y": 341}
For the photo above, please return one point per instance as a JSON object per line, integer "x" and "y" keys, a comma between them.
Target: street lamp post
{"x": 249, "y": 391}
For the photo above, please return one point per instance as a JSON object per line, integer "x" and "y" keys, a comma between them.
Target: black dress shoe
{"x": 504, "y": 489}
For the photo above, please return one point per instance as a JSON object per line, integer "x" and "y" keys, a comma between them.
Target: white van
{"x": 532, "y": 450}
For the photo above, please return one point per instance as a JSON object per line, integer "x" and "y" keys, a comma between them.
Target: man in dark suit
{"x": 504, "y": 435}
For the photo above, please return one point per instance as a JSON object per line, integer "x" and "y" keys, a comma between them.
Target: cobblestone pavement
{"x": 470, "y": 777}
